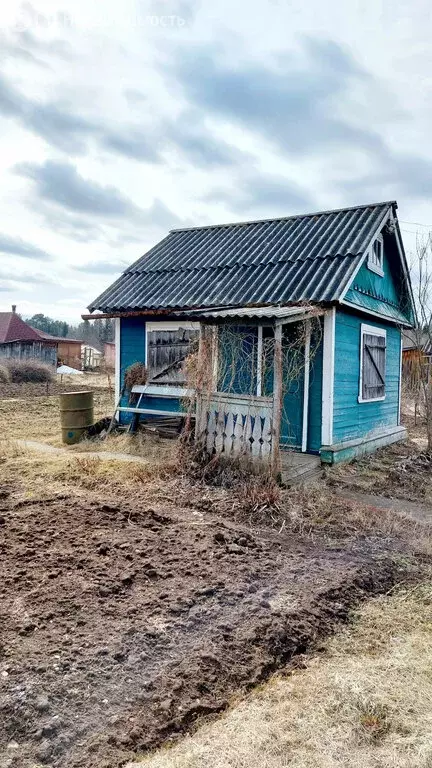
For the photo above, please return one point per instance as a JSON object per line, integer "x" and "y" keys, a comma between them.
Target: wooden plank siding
{"x": 382, "y": 294}
{"x": 41, "y": 351}
{"x": 353, "y": 419}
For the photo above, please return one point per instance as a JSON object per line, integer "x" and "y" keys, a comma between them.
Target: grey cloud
{"x": 289, "y": 101}
{"x": 11, "y": 50}
{"x": 159, "y": 216}
{"x": 32, "y": 279}
{"x": 18, "y": 247}
{"x": 60, "y": 184}
{"x": 195, "y": 140}
{"x": 70, "y": 132}
{"x": 275, "y": 193}
{"x": 102, "y": 267}
{"x": 134, "y": 97}
{"x": 23, "y": 44}
{"x": 256, "y": 192}
{"x": 395, "y": 176}
{"x": 132, "y": 143}
{"x": 50, "y": 121}
{"x": 12, "y": 103}
{"x": 28, "y": 41}
{"x": 67, "y": 223}
{"x": 82, "y": 208}
{"x": 59, "y": 126}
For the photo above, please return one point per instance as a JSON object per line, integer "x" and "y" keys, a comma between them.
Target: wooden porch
{"x": 299, "y": 467}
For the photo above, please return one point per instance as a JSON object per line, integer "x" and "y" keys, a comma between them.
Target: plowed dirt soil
{"x": 122, "y": 623}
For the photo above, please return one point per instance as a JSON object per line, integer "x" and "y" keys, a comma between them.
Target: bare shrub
{"x": 260, "y": 494}
{"x": 4, "y": 375}
{"x": 29, "y": 371}
{"x": 135, "y": 374}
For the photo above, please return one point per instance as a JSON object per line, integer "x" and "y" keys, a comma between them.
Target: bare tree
{"x": 421, "y": 335}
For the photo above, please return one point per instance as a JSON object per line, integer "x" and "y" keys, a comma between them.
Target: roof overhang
{"x": 255, "y": 313}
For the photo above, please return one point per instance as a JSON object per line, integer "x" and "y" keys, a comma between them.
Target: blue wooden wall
{"x": 384, "y": 294}
{"x": 132, "y": 350}
{"x": 353, "y": 419}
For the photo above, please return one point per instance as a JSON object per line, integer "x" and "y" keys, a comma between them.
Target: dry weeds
{"x": 365, "y": 703}
{"x": 38, "y": 418}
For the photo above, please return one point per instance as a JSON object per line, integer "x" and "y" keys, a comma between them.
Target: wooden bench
{"x": 152, "y": 390}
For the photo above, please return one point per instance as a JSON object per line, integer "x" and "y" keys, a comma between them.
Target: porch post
{"x": 117, "y": 371}
{"x": 277, "y": 398}
{"x": 306, "y": 385}
{"x": 259, "y": 360}
{"x": 198, "y": 391}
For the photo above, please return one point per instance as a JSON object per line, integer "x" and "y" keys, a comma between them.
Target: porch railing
{"x": 235, "y": 425}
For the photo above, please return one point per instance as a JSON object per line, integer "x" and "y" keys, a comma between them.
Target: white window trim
{"x": 370, "y": 330}
{"x": 117, "y": 328}
{"x": 167, "y": 325}
{"x": 375, "y": 267}
{"x": 328, "y": 376}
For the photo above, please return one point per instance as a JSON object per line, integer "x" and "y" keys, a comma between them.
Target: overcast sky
{"x": 122, "y": 120}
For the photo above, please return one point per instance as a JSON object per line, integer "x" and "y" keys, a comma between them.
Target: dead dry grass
{"x": 38, "y": 418}
{"x": 87, "y": 380}
{"x": 400, "y": 471}
{"x": 365, "y": 703}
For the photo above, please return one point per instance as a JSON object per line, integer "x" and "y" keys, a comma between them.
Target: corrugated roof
{"x": 266, "y": 312}
{"x": 272, "y": 261}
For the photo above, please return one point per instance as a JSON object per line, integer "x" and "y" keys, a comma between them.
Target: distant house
{"x": 417, "y": 347}
{"x": 91, "y": 357}
{"x": 300, "y": 319}
{"x": 416, "y": 357}
{"x": 18, "y": 340}
{"x": 68, "y": 350}
{"x": 109, "y": 354}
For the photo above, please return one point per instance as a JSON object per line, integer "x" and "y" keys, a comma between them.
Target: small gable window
{"x": 372, "y": 364}
{"x": 376, "y": 254}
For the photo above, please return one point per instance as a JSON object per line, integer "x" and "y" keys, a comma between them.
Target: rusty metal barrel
{"x": 76, "y": 415}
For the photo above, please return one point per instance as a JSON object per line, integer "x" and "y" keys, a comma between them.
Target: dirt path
{"x": 415, "y": 510}
{"x": 121, "y": 624}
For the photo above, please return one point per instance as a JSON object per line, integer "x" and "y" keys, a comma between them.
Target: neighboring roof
{"x": 410, "y": 341}
{"x": 13, "y": 328}
{"x": 275, "y": 261}
{"x": 49, "y": 337}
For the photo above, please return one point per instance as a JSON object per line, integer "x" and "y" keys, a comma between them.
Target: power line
{"x": 416, "y": 224}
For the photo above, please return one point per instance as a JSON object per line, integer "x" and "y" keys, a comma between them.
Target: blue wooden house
{"x": 295, "y": 323}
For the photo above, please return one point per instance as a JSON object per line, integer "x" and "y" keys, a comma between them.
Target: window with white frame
{"x": 372, "y": 364}
{"x": 168, "y": 345}
{"x": 376, "y": 256}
